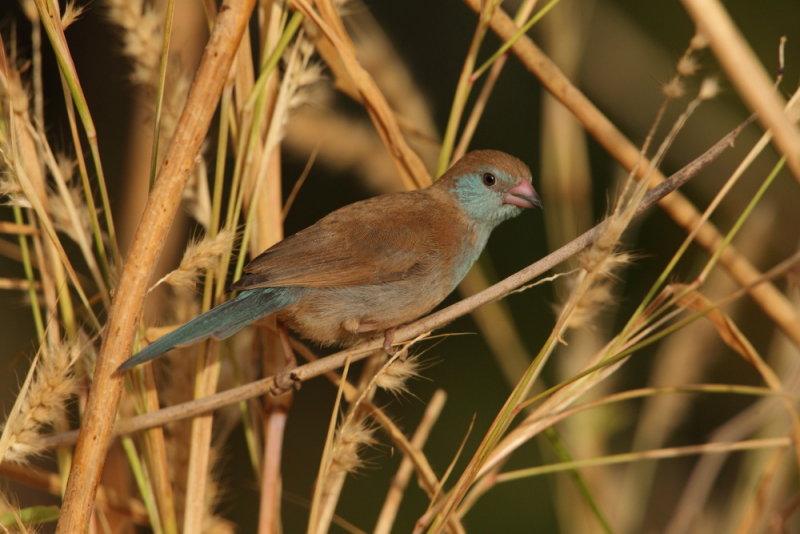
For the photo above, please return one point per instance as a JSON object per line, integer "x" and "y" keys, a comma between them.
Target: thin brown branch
{"x": 719, "y": 447}
{"x": 97, "y": 425}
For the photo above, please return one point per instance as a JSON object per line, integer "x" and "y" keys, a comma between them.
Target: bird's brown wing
{"x": 379, "y": 240}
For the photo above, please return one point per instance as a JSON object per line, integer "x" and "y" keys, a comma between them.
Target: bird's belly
{"x": 320, "y": 315}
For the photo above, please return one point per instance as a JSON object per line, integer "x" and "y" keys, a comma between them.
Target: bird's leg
{"x": 357, "y": 326}
{"x": 286, "y": 379}
{"x": 388, "y": 339}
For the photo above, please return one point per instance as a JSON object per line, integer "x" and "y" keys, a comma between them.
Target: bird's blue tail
{"x": 219, "y": 322}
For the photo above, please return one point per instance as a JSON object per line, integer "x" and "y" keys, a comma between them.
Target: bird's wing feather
{"x": 378, "y": 240}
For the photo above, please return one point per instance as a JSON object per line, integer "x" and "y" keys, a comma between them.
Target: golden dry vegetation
{"x": 641, "y": 377}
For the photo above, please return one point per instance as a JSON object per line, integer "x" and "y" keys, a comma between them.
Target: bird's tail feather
{"x": 219, "y": 322}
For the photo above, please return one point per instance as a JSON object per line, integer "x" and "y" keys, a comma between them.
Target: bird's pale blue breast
{"x": 472, "y": 251}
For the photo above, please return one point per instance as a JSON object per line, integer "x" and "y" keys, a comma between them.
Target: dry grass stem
{"x": 271, "y": 484}
{"x": 670, "y": 452}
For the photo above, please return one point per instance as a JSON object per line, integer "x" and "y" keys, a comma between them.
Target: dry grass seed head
{"x": 45, "y": 401}
{"x": 176, "y": 91}
{"x": 709, "y": 88}
{"x": 199, "y": 256}
{"x": 593, "y": 301}
{"x": 178, "y": 455}
{"x": 594, "y": 297}
{"x": 66, "y": 166}
{"x": 305, "y": 76}
{"x": 299, "y": 85}
{"x": 351, "y": 437}
{"x": 599, "y": 254}
{"x": 14, "y": 95}
{"x": 62, "y": 215}
{"x": 141, "y": 26}
{"x": 674, "y": 89}
{"x": 141, "y": 37}
{"x": 10, "y": 191}
{"x": 72, "y": 12}
{"x": 603, "y": 263}
{"x": 600, "y": 262}
{"x": 394, "y": 376}
{"x": 310, "y": 86}
{"x": 687, "y": 65}
{"x": 214, "y": 494}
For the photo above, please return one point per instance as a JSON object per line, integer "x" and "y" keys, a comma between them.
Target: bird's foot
{"x": 357, "y": 326}
{"x": 285, "y": 381}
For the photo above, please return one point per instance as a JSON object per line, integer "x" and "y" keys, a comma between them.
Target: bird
{"x": 372, "y": 265}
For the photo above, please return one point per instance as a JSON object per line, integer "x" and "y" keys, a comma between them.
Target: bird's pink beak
{"x": 523, "y": 195}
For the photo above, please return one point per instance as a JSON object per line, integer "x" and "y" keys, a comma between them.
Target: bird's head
{"x": 491, "y": 186}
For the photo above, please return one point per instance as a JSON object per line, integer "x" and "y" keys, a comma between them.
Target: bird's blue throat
{"x": 472, "y": 195}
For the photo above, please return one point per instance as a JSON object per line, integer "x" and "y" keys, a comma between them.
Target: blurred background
{"x": 620, "y": 53}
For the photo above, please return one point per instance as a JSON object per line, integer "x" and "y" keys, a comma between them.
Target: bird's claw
{"x": 284, "y": 382}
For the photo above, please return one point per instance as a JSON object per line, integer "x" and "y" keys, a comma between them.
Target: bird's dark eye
{"x": 489, "y": 179}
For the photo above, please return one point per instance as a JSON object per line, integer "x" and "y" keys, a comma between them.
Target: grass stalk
{"x": 162, "y": 80}
{"x": 463, "y": 88}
